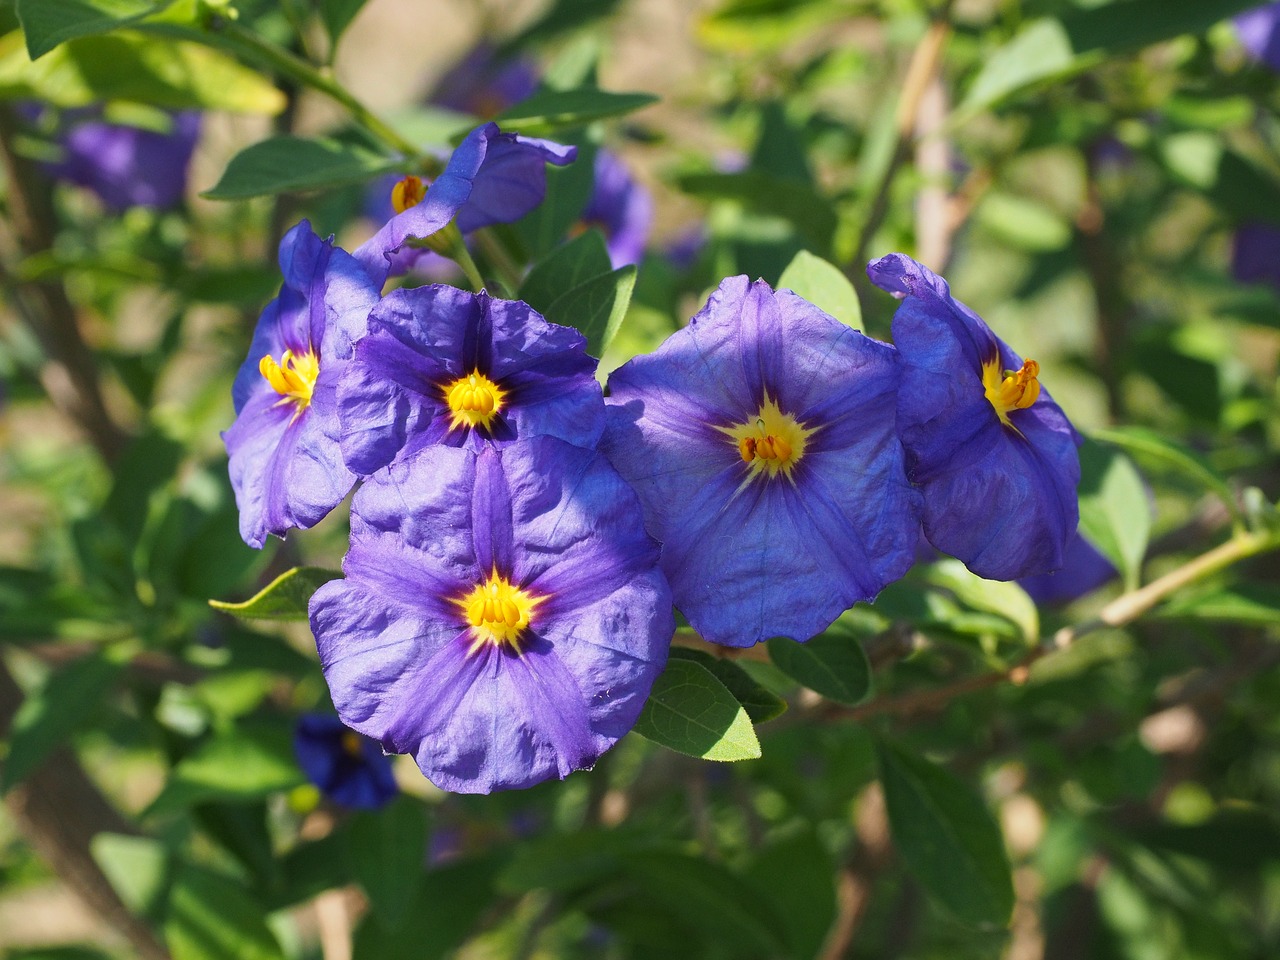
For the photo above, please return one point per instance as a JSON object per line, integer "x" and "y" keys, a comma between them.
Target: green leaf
{"x": 832, "y": 664}
{"x": 760, "y": 703}
{"x": 49, "y": 715}
{"x": 294, "y": 164}
{"x": 1007, "y": 600}
{"x": 1150, "y": 447}
{"x": 947, "y": 837}
{"x": 825, "y": 286}
{"x": 1048, "y": 48}
{"x": 1023, "y": 223}
{"x": 811, "y": 214}
{"x": 244, "y": 765}
{"x": 129, "y": 66}
{"x": 213, "y": 917}
{"x": 387, "y": 850}
{"x": 550, "y": 110}
{"x": 337, "y": 16}
{"x": 138, "y": 868}
{"x": 568, "y": 266}
{"x": 806, "y": 902}
{"x": 1115, "y": 515}
{"x": 596, "y": 308}
{"x": 284, "y": 598}
{"x": 47, "y": 23}
{"x": 692, "y": 712}
{"x": 1255, "y": 604}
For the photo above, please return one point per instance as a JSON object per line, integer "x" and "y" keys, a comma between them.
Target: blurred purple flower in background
{"x": 621, "y": 208}
{"x": 483, "y": 83}
{"x": 126, "y": 166}
{"x": 350, "y": 769}
{"x": 1259, "y": 33}
{"x": 503, "y": 617}
{"x": 994, "y": 456}
{"x": 1255, "y": 254}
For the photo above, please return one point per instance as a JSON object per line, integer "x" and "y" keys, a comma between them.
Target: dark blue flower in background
{"x": 761, "y": 441}
{"x": 1259, "y": 32}
{"x": 492, "y": 177}
{"x": 503, "y": 616}
{"x": 992, "y": 453}
{"x": 441, "y": 365}
{"x": 1255, "y": 254}
{"x": 621, "y": 208}
{"x": 483, "y": 83}
{"x": 350, "y": 769}
{"x": 286, "y": 463}
{"x": 1084, "y": 570}
{"x": 126, "y": 166}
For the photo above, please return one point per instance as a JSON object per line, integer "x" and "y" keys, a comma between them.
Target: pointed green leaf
{"x": 825, "y": 286}
{"x": 833, "y": 665}
{"x": 596, "y": 308}
{"x": 1004, "y": 599}
{"x": 692, "y": 712}
{"x": 49, "y": 715}
{"x": 947, "y": 836}
{"x": 568, "y": 266}
{"x": 1256, "y": 604}
{"x": 1115, "y": 515}
{"x": 337, "y": 16}
{"x": 213, "y": 917}
{"x": 760, "y": 703}
{"x": 137, "y": 868}
{"x": 240, "y": 766}
{"x": 284, "y": 598}
{"x": 806, "y": 902}
{"x": 550, "y": 110}
{"x": 47, "y": 23}
{"x": 294, "y": 164}
{"x": 1150, "y": 447}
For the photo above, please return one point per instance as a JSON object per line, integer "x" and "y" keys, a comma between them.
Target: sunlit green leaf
{"x": 1115, "y": 514}
{"x": 284, "y": 598}
{"x": 760, "y": 704}
{"x": 48, "y": 23}
{"x": 212, "y": 916}
{"x": 550, "y": 110}
{"x": 833, "y": 665}
{"x": 825, "y": 286}
{"x": 690, "y": 711}
{"x": 295, "y": 164}
{"x": 596, "y": 308}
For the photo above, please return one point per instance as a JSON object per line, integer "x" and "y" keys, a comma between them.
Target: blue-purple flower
{"x": 621, "y": 208}
{"x": 286, "y": 464}
{"x": 761, "y": 441}
{"x": 350, "y": 769}
{"x": 127, "y": 166}
{"x": 483, "y": 83}
{"x": 1255, "y": 254}
{"x": 440, "y": 365}
{"x": 992, "y": 453}
{"x": 1259, "y": 32}
{"x": 502, "y": 617}
{"x": 1084, "y": 569}
{"x": 492, "y": 177}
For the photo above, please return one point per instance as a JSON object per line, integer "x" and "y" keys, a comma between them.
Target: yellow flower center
{"x": 474, "y": 400}
{"x": 352, "y": 745}
{"x": 294, "y": 377}
{"x": 498, "y": 612}
{"x": 771, "y": 442}
{"x": 1010, "y": 390}
{"x": 407, "y": 193}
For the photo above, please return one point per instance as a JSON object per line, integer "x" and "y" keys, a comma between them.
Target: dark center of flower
{"x": 771, "y": 442}
{"x": 498, "y": 612}
{"x": 352, "y": 745}
{"x": 1009, "y": 389}
{"x": 474, "y": 401}
{"x": 294, "y": 377}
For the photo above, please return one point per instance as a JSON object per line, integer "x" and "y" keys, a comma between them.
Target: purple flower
{"x": 491, "y": 178}
{"x": 484, "y": 84}
{"x": 502, "y": 616}
{"x": 621, "y": 208}
{"x": 1255, "y": 254}
{"x": 286, "y": 464}
{"x": 1084, "y": 570}
{"x": 127, "y": 166}
{"x": 349, "y": 768}
{"x": 760, "y": 439}
{"x": 440, "y": 365}
{"x": 1259, "y": 32}
{"x": 992, "y": 453}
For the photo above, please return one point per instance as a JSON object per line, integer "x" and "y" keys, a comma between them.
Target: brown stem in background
{"x": 70, "y": 374}
{"x": 926, "y": 60}
{"x": 59, "y": 811}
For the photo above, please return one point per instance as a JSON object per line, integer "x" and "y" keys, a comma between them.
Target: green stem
{"x": 308, "y": 75}
{"x": 462, "y": 257}
{"x": 500, "y": 259}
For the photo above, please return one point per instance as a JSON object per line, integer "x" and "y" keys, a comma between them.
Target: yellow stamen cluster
{"x": 352, "y": 745}
{"x": 474, "y": 400}
{"x": 498, "y": 612}
{"x": 771, "y": 442}
{"x": 294, "y": 377}
{"x": 407, "y": 193}
{"x": 1010, "y": 390}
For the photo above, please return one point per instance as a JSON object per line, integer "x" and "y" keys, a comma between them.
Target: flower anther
{"x": 474, "y": 401}
{"x": 294, "y": 377}
{"x": 771, "y": 442}
{"x": 1009, "y": 389}
{"x": 498, "y": 612}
